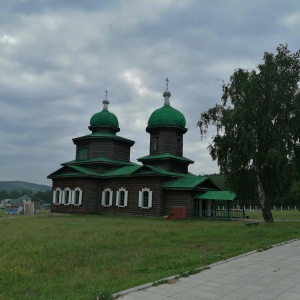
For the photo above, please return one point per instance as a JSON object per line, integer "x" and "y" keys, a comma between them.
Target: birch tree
{"x": 257, "y": 125}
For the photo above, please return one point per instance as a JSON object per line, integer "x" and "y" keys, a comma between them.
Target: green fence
{"x": 221, "y": 214}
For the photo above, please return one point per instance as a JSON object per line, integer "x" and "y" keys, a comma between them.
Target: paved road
{"x": 270, "y": 274}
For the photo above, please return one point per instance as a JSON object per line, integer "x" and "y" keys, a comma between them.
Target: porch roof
{"x": 217, "y": 195}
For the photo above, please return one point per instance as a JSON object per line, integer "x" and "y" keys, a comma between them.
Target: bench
{"x": 250, "y": 224}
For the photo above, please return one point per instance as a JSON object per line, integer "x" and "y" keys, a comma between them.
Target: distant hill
{"x": 23, "y": 186}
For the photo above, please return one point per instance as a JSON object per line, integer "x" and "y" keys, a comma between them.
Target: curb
{"x": 147, "y": 285}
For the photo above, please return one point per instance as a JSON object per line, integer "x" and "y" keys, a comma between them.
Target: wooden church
{"x": 103, "y": 180}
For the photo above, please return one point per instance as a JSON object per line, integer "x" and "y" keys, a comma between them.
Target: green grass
{"x": 82, "y": 257}
{"x": 278, "y": 215}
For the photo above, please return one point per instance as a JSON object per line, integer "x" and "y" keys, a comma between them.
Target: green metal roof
{"x": 79, "y": 169}
{"x": 21, "y": 199}
{"x": 121, "y": 171}
{"x": 217, "y": 195}
{"x": 165, "y": 172}
{"x": 24, "y": 197}
{"x": 167, "y": 116}
{"x": 185, "y": 182}
{"x": 103, "y": 134}
{"x": 145, "y": 169}
{"x": 98, "y": 159}
{"x": 104, "y": 118}
{"x": 84, "y": 170}
{"x": 128, "y": 170}
{"x": 165, "y": 156}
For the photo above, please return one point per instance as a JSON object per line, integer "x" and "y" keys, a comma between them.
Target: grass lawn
{"x": 278, "y": 215}
{"x": 79, "y": 257}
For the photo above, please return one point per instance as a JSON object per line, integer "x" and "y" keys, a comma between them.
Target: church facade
{"x": 102, "y": 179}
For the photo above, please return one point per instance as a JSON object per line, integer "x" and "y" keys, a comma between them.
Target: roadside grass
{"x": 83, "y": 257}
{"x": 2, "y": 213}
{"x": 278, "y": 215}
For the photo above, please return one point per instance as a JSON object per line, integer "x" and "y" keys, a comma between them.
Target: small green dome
{"x": 167, "y": 115}
{"x": 104, "y": 118}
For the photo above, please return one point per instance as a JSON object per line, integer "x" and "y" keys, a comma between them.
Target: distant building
{"x": 102, "y": 180}
{"x": 5, "y": 203}
{"x": 23, "y": 204}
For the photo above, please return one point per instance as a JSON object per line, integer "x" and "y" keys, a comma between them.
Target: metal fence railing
{"x": 257, "y": 207}
{"x": 221, "y": 214}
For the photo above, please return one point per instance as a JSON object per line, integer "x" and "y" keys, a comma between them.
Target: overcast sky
{"x": 58, "y": 57}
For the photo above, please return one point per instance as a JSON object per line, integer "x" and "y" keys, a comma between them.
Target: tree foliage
{"x": 44, "y": 197}
{"x": 258, "y": 128}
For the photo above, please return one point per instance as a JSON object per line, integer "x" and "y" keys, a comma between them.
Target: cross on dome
{"x": 167, "y": 82}
{"x": 106, "y": 92}
{"x": 167, "y": 93}
{"x": 105, "y": 101}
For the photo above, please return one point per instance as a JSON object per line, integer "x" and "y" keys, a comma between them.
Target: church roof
{"x": 177, "y": 180}
{"x": 104, "y": 135}
{"x": 165, "y": 156}
{"x": 97, "y": 159}
{"x": 186, "y": 182}
{"x": 144, "y": 169}
{"x": 104, "y": 118}
{"x": 75, "y": 171}
{"x": 217, "y": 195}
{"x": 128, "y": 170}
{"x": 167, "y": 116}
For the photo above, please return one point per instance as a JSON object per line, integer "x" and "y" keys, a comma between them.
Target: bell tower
{"x": 166, "y": 127}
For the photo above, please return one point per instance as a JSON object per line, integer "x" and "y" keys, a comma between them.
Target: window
{"x": 77, "y": 196}
{"x": 107, "y": 196}
{"x": 179, "y": 144}
{"x": 67, "y": 196}
{"x": 82, "y": 154}
{"x": 155, "y": 143}
{"x": 57, "y": 195}
{"x": 145, "y": 198}
{"x": 122, "y": 196}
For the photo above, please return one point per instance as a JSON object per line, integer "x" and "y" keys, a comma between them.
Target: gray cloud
{"x": 57, "y": 58}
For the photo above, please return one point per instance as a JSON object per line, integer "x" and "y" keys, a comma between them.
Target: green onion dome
{"x": 167, "y": 115}
{"x": 105, "y": 118}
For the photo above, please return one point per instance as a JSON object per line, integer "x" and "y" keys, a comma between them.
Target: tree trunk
{"x": 266, "y": 212}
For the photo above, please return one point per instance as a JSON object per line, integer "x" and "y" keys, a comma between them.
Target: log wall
{"x": 178, "y": 198}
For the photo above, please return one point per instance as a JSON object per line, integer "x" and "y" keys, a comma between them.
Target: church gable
{"x": 73, "y": 171}
{"x": 99, "y": 164}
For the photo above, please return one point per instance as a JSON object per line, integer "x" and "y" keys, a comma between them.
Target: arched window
{"x": 57, "y": 196}
{"x": 145, "y": 198}
{"x": 122, "y": 197}
{"x": 77, "y": 196}
{"x": 67, "y": 196}
{"x": 107, "y": 195}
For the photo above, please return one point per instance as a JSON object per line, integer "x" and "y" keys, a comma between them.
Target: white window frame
{"x": 103, "y": 202}
{"x": 118, "y": 198}
{"x": 141, "y": 198}
{"x": 77, "y": 189}
{"x": 64, "y": 200}
{"x": 59, "y": 191}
